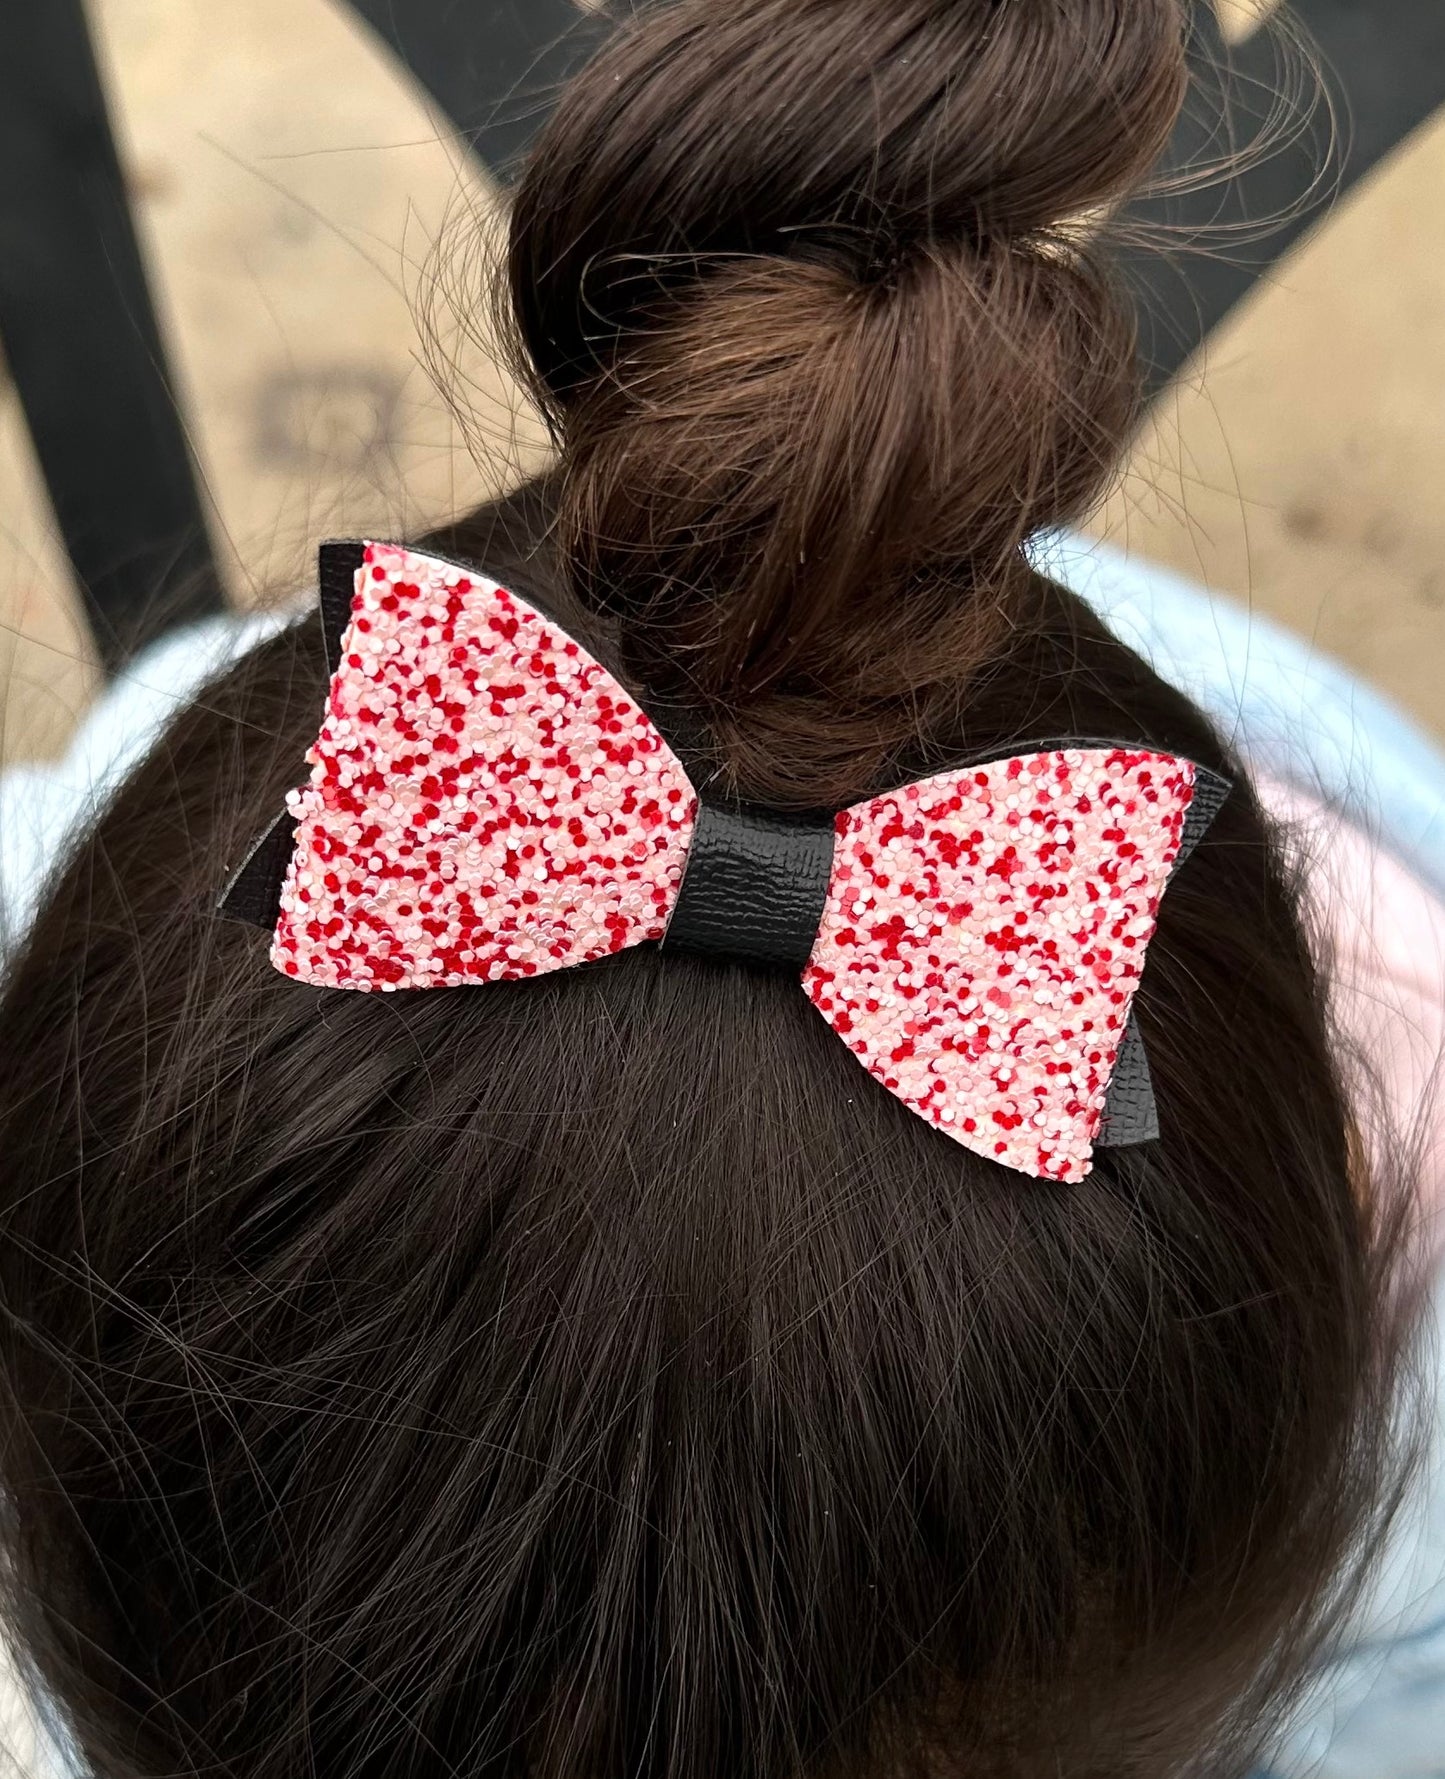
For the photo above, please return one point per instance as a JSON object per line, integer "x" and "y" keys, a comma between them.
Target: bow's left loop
{"x": 485, "y": 803}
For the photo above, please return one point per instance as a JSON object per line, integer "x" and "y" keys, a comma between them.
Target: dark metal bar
{"x": 494, "y": 70}
{"x": 80, "y": 333}
{"x": 1380, "y": 73}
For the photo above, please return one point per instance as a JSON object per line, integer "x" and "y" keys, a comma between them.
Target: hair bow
{"x": 487, "y": 803}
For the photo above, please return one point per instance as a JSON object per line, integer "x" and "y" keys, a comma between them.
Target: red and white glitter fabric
{"x": 984, "y": 936}
{"x": 487, "y": 803}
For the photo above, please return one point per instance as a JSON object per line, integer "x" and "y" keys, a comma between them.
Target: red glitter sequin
{"x": 985, "y": 933}
{"x": 485, "y": 803}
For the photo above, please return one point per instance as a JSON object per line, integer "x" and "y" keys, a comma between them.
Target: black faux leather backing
{"x": 1130, "y": 1113}
{"x": 755, "y": 887}
{"x": 336, "y": 580}
{"x": 254, "y": 893}
{"x": 1211, "y": 793}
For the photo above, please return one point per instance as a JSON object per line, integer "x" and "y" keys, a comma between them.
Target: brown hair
{"x": 792, "y": 280}
{"x": 598, "y": 1375}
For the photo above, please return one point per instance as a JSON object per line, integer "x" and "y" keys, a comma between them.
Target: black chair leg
{"x": 79, "y": 331}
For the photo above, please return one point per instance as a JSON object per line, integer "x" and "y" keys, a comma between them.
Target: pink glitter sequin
{"x": 485, "y": 802}
{"x": 985, "y": 934}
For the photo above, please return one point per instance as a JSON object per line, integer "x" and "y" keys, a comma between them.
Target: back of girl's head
{"x": 601, "y": 1374}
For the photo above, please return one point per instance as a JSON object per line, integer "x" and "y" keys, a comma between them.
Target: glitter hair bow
{"x": 487, "y": 803}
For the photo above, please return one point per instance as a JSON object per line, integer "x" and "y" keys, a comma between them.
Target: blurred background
{"x": 219, "y": 220}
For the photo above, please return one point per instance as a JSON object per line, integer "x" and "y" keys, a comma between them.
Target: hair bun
{"x": 790, "y": 283}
